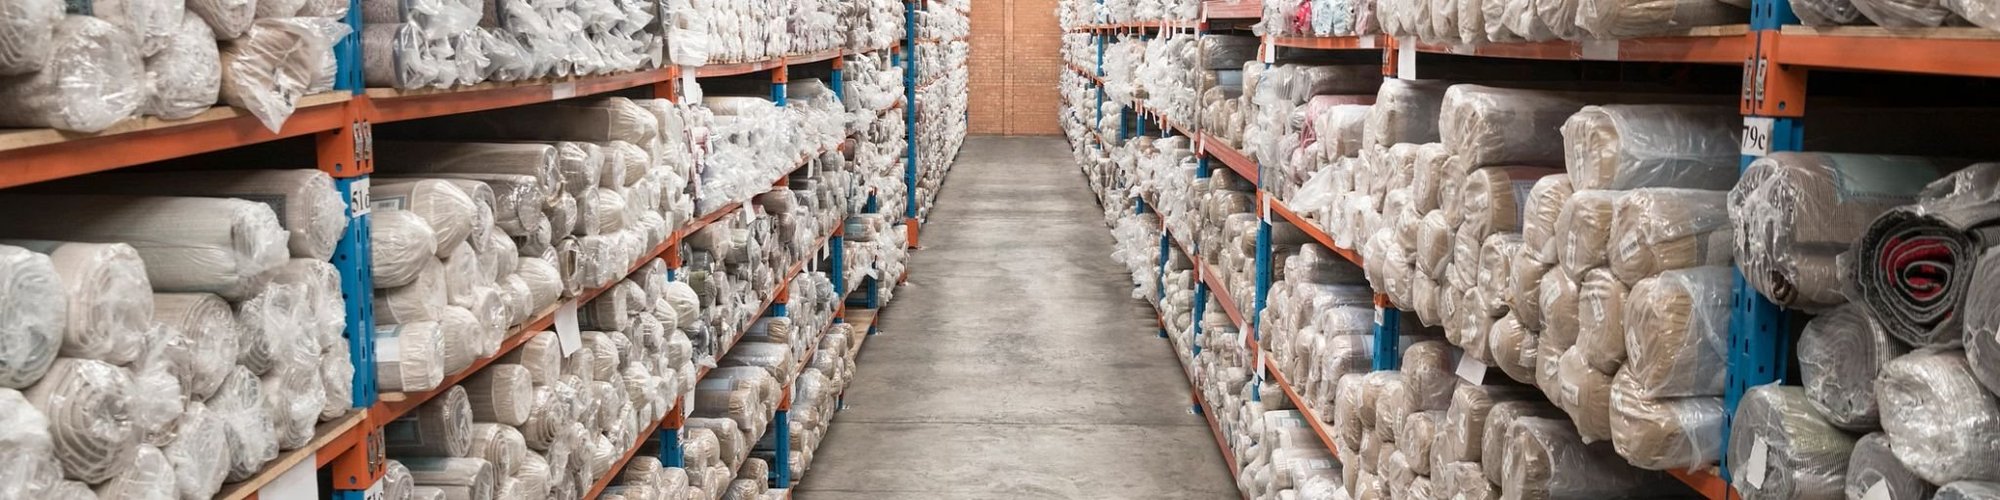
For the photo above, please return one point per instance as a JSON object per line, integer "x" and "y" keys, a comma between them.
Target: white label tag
{"x": 1877, "y": 491}
{"x": 1472, "y": 370}
{"x": 1270, "y": 51}
{"x": 300, "y": 482}
{"x": 1757, "y": 135}
{"x": 374, "y": 492}
{"x": 1379, "y": 314}
{"x": 1600, "y": 50}
{"x": 1406, "y": 58}
{"x": 687, "y": 403}
{"x": 1267, "y": 206}
{"x": 1201, "y": 144}
{"x": 1258, "y": 365}
{"x": 568, "y": 335}
{"x": 1366, "y": 42}
{"x": 1759, "y": 458}
{"x": 358, "y": 202}
{"x": 562, "y": 90}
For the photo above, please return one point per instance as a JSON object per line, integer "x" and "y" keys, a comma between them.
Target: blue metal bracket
{"x": 1771, "y": 14}
{"x": 838, "y": 264}
{"x": 781, "y": 465}
{"x": 1388, "y": 352}
{"x": 1263, "y": 259}
{"x": 839, "y": 85}
{"x": 1759, "y": 330}
{"x": 353, "y": 258}
{"x": 910, "y": 112}
{"x": 347, "y": 53}
{"x": 671, "y": 453}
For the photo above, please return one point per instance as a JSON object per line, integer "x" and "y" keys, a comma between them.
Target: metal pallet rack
{"x": 349, "y": 450}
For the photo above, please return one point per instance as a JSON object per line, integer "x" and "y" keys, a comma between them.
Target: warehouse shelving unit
{"x": 350, "y": 449}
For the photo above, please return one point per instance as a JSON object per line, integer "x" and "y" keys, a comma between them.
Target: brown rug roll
{"x": 1677, "y": 332}
{"x": 1658, "y": 229}
{"x": 1601, "y": 320}
{"x": 1672, "y": 433}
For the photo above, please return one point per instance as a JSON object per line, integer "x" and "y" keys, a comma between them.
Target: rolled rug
{"x": 1913, "y": 267}
{"x": 483, "y": 161}
{"x": 1513, "y": 348}
{"x": 1539, "y": 213}
{"x": 107, "y": 300}
{"x": 149, "y": 476}
{"x": 1499, "y": 434}
{"x": 1623, "y": 147}
{"x": 1657, "y": 229}
{"x": 27, "y": 33}
{"x": 462, "y": 337}
{"x": 458, "y": 478}
{"x": 336, "y": 378}
{"x": 441, "y": 427}
{"x": 1559, "y": 310}
{"x": 292, "y": 399}
{"x": 1664, "y": 434}
{"x": 1600, "y": 306}
{"x": 1826, "y": 12}
{"x": 273, "y": 333}
{"x": 275, "y": 62}
{"x": 1969, "y": 490}
{"x": 157, "y": 399}
{"x": 1496, "y": 126}
{"x": 188, "y": 71}
{"x": 247, "y": 429}
{"x": 33, "y": 316}
{"x": 1905, "y": 13}
{"x": 92, "y": 79}
{"x": 211, "y": 331}
{"x": 29, "y": 458}
{"x": 1874, "y": 466}
{"x": 541, "y": 355}
{"x": 1545, "y": 460}
{"x": 308, "y": 207}
{"x": 1840, "y": 355}
{"x": 84, "y": 401}
{"x": 1938, "y": 418}
{"x": 1523, "y": 292}
{"x": 1585, "y": 394}
{"x": 1489, "y": 197}
{"x": 1420, "y": 432}
{"x": 1584, "y": 238}
{"x": 580, "y": 164}
{"x": 1404, "y": 112}
{"x": 402, "y": 245}
{"x": 1461, "y": 433}
{"x": 409, "y": 357}
{"x": 1677, "y": 332}
{"x": 1434, "y": 239}
{"x": 1794, "y": 213}
{"x": 595, "y": 120}
{"x": 443, "y": 206}
{"x": 419, "y": 300}
{"x": 1805, "y": 457}
{"x": 215, "y": 245}
{"x": 324, "y": 303}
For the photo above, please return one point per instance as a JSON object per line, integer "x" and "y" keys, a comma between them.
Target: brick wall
{"x": 1015, "y": 63}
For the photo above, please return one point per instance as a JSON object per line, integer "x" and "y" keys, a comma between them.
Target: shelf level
{"x": 1732, "y": 44}
{"x": 1332, "y": 42}
{"x": 29, "y": 156}
{"x": 1937, "y": 51}
{"x": 330, "y": 439}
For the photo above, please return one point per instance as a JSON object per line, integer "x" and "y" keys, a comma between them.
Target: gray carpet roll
{"x": 1840, "y": 355}
{"x": 409, "y": 357}
{"x": 1794, "y": 213}
{"x": 1969, "y": 490}
{"x": 441, "y": 427}
{"x": 239, "y": 405}
{"x": 1941, "y": 422}
{"x": 215, "y": 245}
{"x": 209, "y": 326}
{"x": 1912, "y": 267}
{"x": 307, "y": 206}
{"x": 1805, "y": 457}
{"x": 1874, "y": 466}
{"x": 200, "y": 454}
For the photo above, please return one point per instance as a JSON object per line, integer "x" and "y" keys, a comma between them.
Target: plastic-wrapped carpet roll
{"x": 1657, "y": 229}
{"x": 239, "y": 405}
{"x": 1909, "y": 267}
{"x": 1559, "y": 309}
{"x": 460, "y": 273}
{"x": 1600, "y": 307}
{"x": 442, "y": 205}
{"x": 292, "y": 400}
{"x": 274, "y": 330}
{"x": 1513, "y": 348}
{"x": 1546, "y": 460}
{"x": 1826, "y": 12}
{"x": 1794, "y": 213}
{"x": 1938, "y": 418}
{"x": 199, "y": 453}
{"x": 420, "y": 300}
{"x": 1434, "y": 239}
{"x": 1497, "y": 435}
{"x": 1840, "y": 354}
{"x": 210, "y": 328}
{"x": 1662, "y": 434}
{"x": 403, "y": 245}
{"x": 595, "y": 120}
{"x": 1906, "y": 13}
{"x": 1805, "y": 457}
{"x": 35, "y": 320}
{"x": 1585, "y": 394}
{"x": 274, "y": 63}
{"x": 1584, "y": 238}
{"x": 462, "y": 338}
{"x": 1540, "y": 213}
{"x": 336, "y": 377}
{"x": 1427, "y": 375}
{"x": 1637, "y": 146}
{"x": 409, "y": 357}
{"x": 1495, "y": 126}
{"x": 309, "y": 208}
{"x": 1969, "y": 490}
{"x": 85, "y": 400}
{"x": 1405, "y": 111}
{"x": 27, "y": 28}
{"x": 458, "y": 478}
{"x": 324, "y": 304}
{"x": 483, "y": 161}
{"x": 441, "y": 427}
{"x": 187, "y": 71}
{"x": 215, "y": 245}
{"x": 1677, "y": 332}
{"x": 92, "y": 78}
{"x": 106, "y": 304}
{"x": 541, "y": 355}
{"x": 150, "y": 476}
{"x": 1874, "y": 467}
{"x": 31, "y": 467}
{"x": 1523, "y": 293}
{"x": 1419, "y": 433}
{"x": 1462, "y": 431}
{"x": 1488, "y": 197}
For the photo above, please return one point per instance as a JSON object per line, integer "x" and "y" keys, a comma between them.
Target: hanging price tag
{"x": 1267, "y": 207}
{"x": 1270, "y": 51}
{"x": 1406, "y": 59}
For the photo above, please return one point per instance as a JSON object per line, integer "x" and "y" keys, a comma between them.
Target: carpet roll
{"x": 1657, "y": 229}
{"x": 1600, "y": 306}
{"x": 1622, "y": 147}
{"x": 1940, "y": 421}
{"x": 336, "y": 377}
{"x": 441, "y": 427}
{"x": 33, "y": 315}
{"x": 1489, "y": 197}
{"x": 27, "y": 33}
{"x": 275, "y": 62}
{"x": 463, "y": 338}
{"x": 1584, "y": 238}
{"x": 1616, "y": 19}
{"x": 1969, "y": 490}
{"x": 93, "y": 78}
{"x": 1498, "y": 126}
{"x": 1905, "y": 13}
{"x": 1913, "y": 266}
{"x": 458, "y": 478}
{"x": 187, "y": 71}
{"x": 1461, "y": 434}
{"x": 1677, "y": 332}
{"x": 1663, "y": 434}
{"x": 311, "y": 212}
{"x": 273, "y": 331}
{"x": 157, "y": 396}
{"x": 215, "y": 245}
{"x": 443, "y": 206}
{"x": 1433, "y": 250}
{"x": 1499, "y": 432}
{"x": 1982, "y": 324}
{"x": 1840, "y": 355}
{"x": 482, "y": 161}
{"x": 1559, "y": 295}
{"x": 419, "y": 300}
{"x": 1405, "y": 111}
{"x": 1874, "y": 466}
{"x": 199, "y": 453}
{"x": 1794, "y": 213}
{"x": 402, "y": 245}
{"x": 31, "y": 466}
{"x": 211, "y": 331}
{"x": 1545, "y": 460}
{"x": 1805, "y": 457}
{"x": 107, "y": 300}
{"x": 325, "y": 306}
{"x": 149, "y": 476}
{"x": 1513, "y": 348}
{"x": 1524, "y": 287}
{"x": 84, "y": 400}
{"x": 239, "y": 405}
{"x": 1539, "y": 213}
{"x": 1585, "y": 394}
{"x": 409, "y": 357}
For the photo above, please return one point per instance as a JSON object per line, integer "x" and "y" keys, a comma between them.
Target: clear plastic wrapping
{"x": 409, "y": 357}
{"x": 310, "y": 210}
{"x": 402, "y": 245}
{"x": 27, "y": 32}
{"x": 1940, "y": 421}
{"x": 93, "y": 78}
{"x": 186, "y": 73}
{"x": 1498, "y": 434}
{"x": 1969, "y": 490}
{"x": 1600, "y": 307}
{"x": 239, "y": 405}
{"x": 1405, "y": 111}
{"x": 1677, "y": 332}
{"x": 1638, "y": 146}
{"x": 1496, "y": 126}
{"x": 1559, "y": 310}
{"x": 1489, "y": 197}
{"x": 1657, "y": 229}
{"x": 30, "y": 464}
{"x": 1461, "y": 437}
{"x": 1841, "y": 353}
{"x": 85, "y": 400}
{"x": 1905, "y": 13}
{"x": 33, "y": 316}
{"x": 1545, "y": 460}
{"x": 1584, "y": 238}
{"x": 1662, "y": 434}
{"x": 447, "y": 209}
{"x": 441, "y": 427}
{"x": 1909, "y": 267}
{"x": 274, "y": 63}
{"x": 1874, "y": 466}
{"x": 457, "y": 478}
{"x": 1620, "y": 19}
{"x": 1540, "y": 212}
{"x": 216, "y": 245}
{"x": 1585, "y": 394}
{"x": 107, "y": 300}
{"x": 1794, "y": 213}
{"x": 1803, "y": 456}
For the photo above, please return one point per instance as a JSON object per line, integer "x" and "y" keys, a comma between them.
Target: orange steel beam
{"x": 86, "y": 154}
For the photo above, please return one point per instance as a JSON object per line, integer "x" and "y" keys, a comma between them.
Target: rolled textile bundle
{"x": 199, "y": 453}
{"x": 1656, "y": 229}
{"x": 541, "y": 355}
{"x": 464, "y": 339}
{"x": 1638, "y": 146}
{"x": 27, "y": 32}
{"x": 502, "y": 446}
{"x": 105, "y": 302}
{"x": 602, "y": 212}
{"x": 1405, "y": 111}
{"x": 292, "y": 400}
{"x": 1498, "y": 434}
{"x": 84, "y": 400}
{"x": 461, "y": 273}
{"x": 325, "y": 306}
{"x": 239, "y": 405}
{"x": 458, "y": 478}
{"x": 545, "y": 282}
{"x": 409, "y": 357}
{"x": 190, "y": 59}
{"x": 1633, "y": 19}
{"x": 396, "y": 482}
{"x": 1495, "y": 126}
{"x": 215, "y": 245}
{"x": 92, "y": 79}
{"x": 1840, "y": 355}
{"x": 211, "y": 331}
{"x": 1584, "y": 238}
{"x": 441, "y": 204}
{"x": 441, "y": 427}
{"x": 1826, "y": 12}
{"x": 1434, "y": 240}
{"x": 1524, "y": 287}
{"x": 275, "y": 62}
{"x": 149, "y": 476}
{"x": 1585, "y": 394}
{"x": 1677, "y": 332}
{"x": 481, "y": 161}
{"x": 1489, "y": 197}
{"x": 1806, "y": 458}
{"x": 1559, "y": 310}
{"x": 1548, "y": 370}
{"x": 1906, "y": 13}
{"x": 516, "y": 200}
{"x": 1540, "y": 212}
{"x": 563, "y": 216}
{"x": 1513, "y": 348}
{"x": 308, "y": 208}
{"x": 593, "y": 120}
{"x": 336, "y": 376}
{"x": 1496, "y": 256}
{"x": 1663, "y": 434}
{"x": 1906, "y": 267}
{"x": 1420, "y": 431}
{"x": 30, "y": 464}
{"x": 1461, "y": 435}
{"x": 420, "y": 300}
{"x": 1969, "y": 490}
{"x": 1427, "y": 375}
{"x": 33, "y": 315}
{"x": 273, "y": 330}
{"x": 1545, "y": 460}
{"x": 1600, "y": 307}
{"x": 1938, "y": 418}
{"x": 1874, "y": 466}
{"x": 1794, "y": 213}
{"x": 403, "y": 245}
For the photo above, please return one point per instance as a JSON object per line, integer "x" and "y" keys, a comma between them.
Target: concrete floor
{"x": 1015, "y": 364}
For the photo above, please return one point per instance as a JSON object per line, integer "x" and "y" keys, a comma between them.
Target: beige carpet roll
{"x": 336, "y": 377}
{"x": 624, "y": 164}
{"x": 275, "y": 62}
{"x": 418, "y": 300}
{"x": 84, "y": 400}
{"x": 1540, "y": 212}
{"x": 211, "y": 332}
{"x": 1631, "y": 19}
{"x": 463, "y": 337}
{"x": 107, "y": 300}
{"x": 1804, "y": 457}
{"x": 595, "y": 120}
{"x": 1462, "y": 431}
{"x": 27, "y": 33}
{"x": 30, "y": 463}
{"x": 1663, "y": 434}
{"x": 1677, "y": 332}
{"x": 239, "y": 405}
{"x": 409, "y": 357}
{"x": 1434, "y": 239}
{"x": 1513, "y": 348}
{"x": 441, "y": 427}
{"x": 1405, "y": 111}
{"x": 580, "y": 164}
{"x": 1548, "y": 370}
{"x": 541, "y": 355}
{"x": 1600, "y": 307}
{"x": 1658, "y": 229}
{"x": 1940, "y": 420}
{"x": 1874, "y": 466}
{"x": 200, "y": 453}
{"x": 402, "y": 245}
{"x": 1841, "y": 353}
{"x": 1794, "y": 213}
{"x": 1498, "y": 433}
{"x": 483, "y": 161}
{"x": 442, "y": 205}
{"x": 33, "y": 315}
{"x": 1419, "y": 433}
{"x": 149, "y": 476}
{"x": 1584, "y": 238}
{"x": 326, "y": 307}
{"x": 1559, "y": 297}
{"x": 215, "y": 245}
{"x": 502, "y": 393}
{"x": 1349, "y": 401}
{"x": 1622, "y": 147}
{"x": 457, "y": 478}
{"x": 92, "y": 78}
{"x": 1432, "y": 164}
{"x": 273, "y": 330}
{"x": 308, "y": 208}
{"x": 1585, "y": 394}
{"x": 1489, "y": 197}
{"x": 545, "y": 423}
{"x": 1524, "y": 287}
{"x": 545, "y": 282}
{"x": 1496, "y": 126}
{"x": 1545, "y": 460}
{"x": 292, "y": 400}
{"x": 187, "y": 71}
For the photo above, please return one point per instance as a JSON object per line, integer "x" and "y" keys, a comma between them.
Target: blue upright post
{"x": 837, "y": 269}
{"x": 347, "y": 53}
{"x": 781, "y": 469}
{"x": 671, "y": 453}
{"x": 1160, "y": 282}
{"x": 353, "y": 257}
{"x": 1759, "y": 330}
{"x": 910, "y": 112}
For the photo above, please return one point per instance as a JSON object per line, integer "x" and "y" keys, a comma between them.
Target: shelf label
{"x": 1365, "y": 41}
{"x": 568, "y": 335}
{"x": 300, "y": 481}
{"x": 1267, "y": 207}
{"x": 1406, "y": 58}
{"x": 1758, "y": 464}
{"x": 1757, "y": 135}
{"x": 358, "y": 202}
{"x": 1270, "y": 51}
{"x": 1472, "y": 370}
{"x": 374, "y": 492}
{"x": 1258, "y": 363}
{"x": 562, "y": 90}
{"x": 1599, "y": 50}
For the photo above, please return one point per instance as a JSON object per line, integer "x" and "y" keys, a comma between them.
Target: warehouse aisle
{"x": 1016, "y": 364}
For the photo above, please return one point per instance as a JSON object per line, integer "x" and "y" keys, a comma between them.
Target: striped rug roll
{"x": 211, "y": 331}
{"x": 33, "y": 311}
{"x": 441, "y": 427}
{"x": 1914, "y": 265}
{"x": 84, "y": 400}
